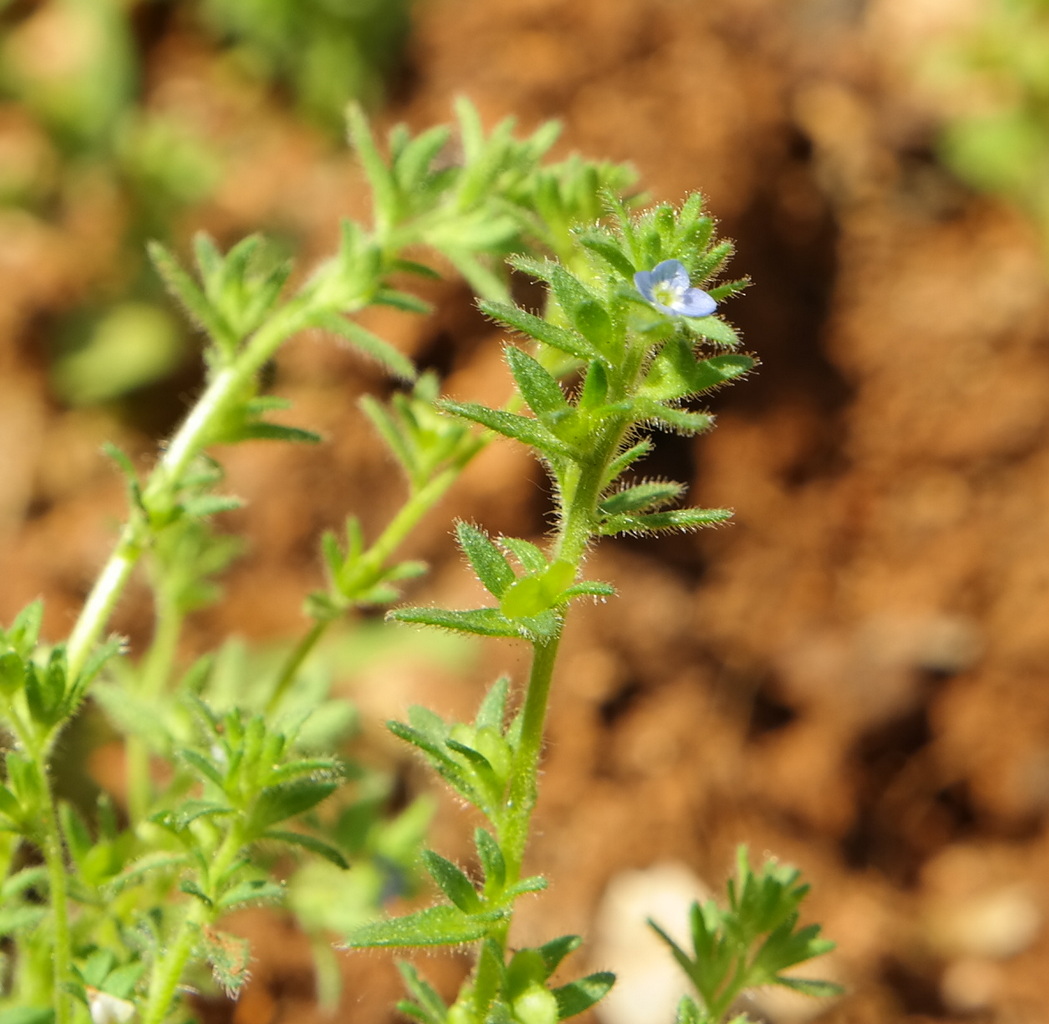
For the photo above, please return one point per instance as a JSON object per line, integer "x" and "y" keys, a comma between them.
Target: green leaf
{"x": 718, "y": 370}
{"x": 714, "y": 329}
{"x": 592, "y": 321}
{"x": 578, "y": 996}
{"x": 431, "y": 1008}
{"x": 390, "y": 431}
{"x": 610, "y": 253}
{"x": 202, "y": 766}
{"x": 519, "y": 428}
{"x": 24, "y": 632}
{"x": 445, "y": 765}
{"x": 251, "y": 892}
{"x": 278, "y": 803}
{"x": 435, "y": 926}
{"x": 411, "y": 164}
{"x": 678, "y": 420}
{"x": 308, "y": 842}
{"x": 673, "y": 519}
{"x": 12, "y": 673}
{"x": 527, "y": 598}
{"x": 191, "y": 888}
{"x": 529, "y": 555}
{"x": 542, "y": 330}
{"x": 192, "y": 299}
{"x": 589, "y": 588}
{"x": 538, "y": 388}
{"x": 487, "y": 560}
{"x": 384, "y": 188}
{"x": 554, "y": 951}
{"x": 478, "y": 621}
{"x": 492, "y": 712}
{"x": 367, "y": 342}
{"x": 10, "y": 807}
{"x": 493, "y": 864}
{"x": 452, "y": 882}
{"x": 812, "y": 987}
{"x": 642, "y": 497}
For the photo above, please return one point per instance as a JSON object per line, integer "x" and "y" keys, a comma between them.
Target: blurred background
{"x": 854, "y": 675}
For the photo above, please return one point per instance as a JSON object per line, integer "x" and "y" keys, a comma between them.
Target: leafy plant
{"x": 111, "y": 913}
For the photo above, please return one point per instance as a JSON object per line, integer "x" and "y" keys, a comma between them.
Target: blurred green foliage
{"x": 996, "y": 133}
{"x": 79, "y": 128}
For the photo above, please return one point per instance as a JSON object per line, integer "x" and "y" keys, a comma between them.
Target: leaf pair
{"x": 520, "y": 990}
{"x": 530, "y": 603}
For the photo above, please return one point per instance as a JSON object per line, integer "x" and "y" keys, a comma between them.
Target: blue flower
{"x": 668, "y": 288}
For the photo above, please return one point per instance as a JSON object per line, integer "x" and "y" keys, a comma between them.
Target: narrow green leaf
{"x": 412, "y": 163}
{"x": 192, "y": 889}
{"x": 478, "y": 621}
{"x": 12, "y": 673}
{"x": 718, "y": 370}
{"x": 493, "y": 864}
{"x": 260, "y": 430}
{"x": 452, "y": 881}
{"x": 445, "y": 765}
{"x": 610, "y": 253}
{"x": 714, "y": 329}
{"x": 384, "y": 188}
{"x": 367, "y": 342}
{"x": 578, "y": 996}
{"x": 251, "y": 892}
{"x": 311, "y": 843}
{"x": 487, "y": 560}
{"x": 9, "y": 806}
{"x": 492, "y": 712}
{"x": 519, "y": 428}
{"x": 680, "y": 421}
{"x": 589, "y": 588}
{"x": 554, "y": 951}
{"x": 278, "y": 803}
{"x": 542, "y": 330}
{"x": 25, "y": 629}
{"x": 210, "y": 504}
{"x": 392, "y": 433}
{"x": 202, "y": 766}
{"x": 529, "y": 555}
{"x": 404, "y": 301}
{"x": 811, "y": 987}
{"x": 642, "y": 497}
{"x": 435, "y": 926}
{"x": 434, "y": 1010}
{"x": 535, "y": 883}
{"x": 185, "y": 290}
{"x": 673, "y": 519}
{"x": 537, "y": 386}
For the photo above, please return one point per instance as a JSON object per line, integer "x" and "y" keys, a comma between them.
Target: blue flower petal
{"x": 696, "y": 302}
{"x": 666, "y": 287}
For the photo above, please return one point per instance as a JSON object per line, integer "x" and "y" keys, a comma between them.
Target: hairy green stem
{"x": 53, "y": 849}
{"x": 165, "y": 480}
{"x": 170, "y": 967}
{"x": 524, "y": 788}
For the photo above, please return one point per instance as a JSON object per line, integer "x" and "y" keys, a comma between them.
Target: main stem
{"x": 167, "y": 477}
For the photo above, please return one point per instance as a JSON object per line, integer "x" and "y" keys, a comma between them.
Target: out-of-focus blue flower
{"x": 668, "y": 288}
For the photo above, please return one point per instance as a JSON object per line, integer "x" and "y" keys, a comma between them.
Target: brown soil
{"x": 854, "y": 676}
